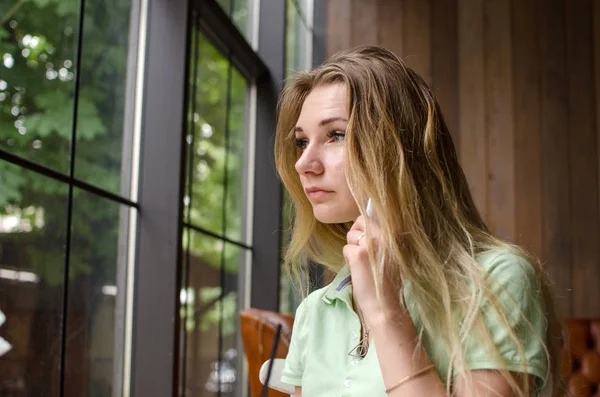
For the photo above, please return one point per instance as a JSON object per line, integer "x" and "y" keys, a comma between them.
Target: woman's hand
{"x": 356, "y": 253}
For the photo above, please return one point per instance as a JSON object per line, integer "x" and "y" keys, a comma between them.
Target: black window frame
{"x": 158, "y": 275}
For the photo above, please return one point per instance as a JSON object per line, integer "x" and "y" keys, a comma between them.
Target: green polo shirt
{"x": 326, "y": 329}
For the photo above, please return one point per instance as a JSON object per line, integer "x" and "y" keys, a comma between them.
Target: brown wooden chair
{"x": 258, "y": 328}
{"x": 580, "y": 361}
{"x": 580, "y": 365}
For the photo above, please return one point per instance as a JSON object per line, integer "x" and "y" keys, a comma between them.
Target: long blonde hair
{"x": 432, "y": 229}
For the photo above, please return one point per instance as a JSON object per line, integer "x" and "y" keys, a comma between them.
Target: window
{"x": 135, "y": 138}
{"x": 65, "y": 198}
{"x": 299, "y": 34}
{"x": 298, "y": 58}
{"x": 215, "y": 238}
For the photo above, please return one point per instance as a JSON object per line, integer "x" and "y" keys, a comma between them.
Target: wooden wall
{"x": 519, "y": 83}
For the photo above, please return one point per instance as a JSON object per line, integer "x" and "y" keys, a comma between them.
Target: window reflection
{"x": 104, "y": 131}
{"x": 37, "y": 66}
{"x": 78, "y": 351}
{"x": 219, "y": 145}
{"x": 33, "y": 249}
{"x": 33, "y": 232}
{"x": 94, "y": 315}
{"x": 214, "y": 246}
{"x": 239, "y": 11}
{"x": 38, "y": 90}
{"x": 213, "y": 356}
{"x": 298, "y": 33}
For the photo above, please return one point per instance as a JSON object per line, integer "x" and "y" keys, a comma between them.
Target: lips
{"x": 315, "y": 193}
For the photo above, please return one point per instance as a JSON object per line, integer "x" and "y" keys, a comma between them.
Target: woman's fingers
{"x": 355, "y": 237}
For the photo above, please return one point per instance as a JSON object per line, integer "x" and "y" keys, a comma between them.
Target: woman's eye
{"x": 338, "y": 136}
{"x": 301, "y": 143}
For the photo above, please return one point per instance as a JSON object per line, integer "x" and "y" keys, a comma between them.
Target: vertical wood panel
{"x": 416, "y": 38}
{"x": 584, "y": 158}
{"x": 525, "y": 100}
{"x": 364, "y": 23}
{"x": 338, "y": 25}
{"x": 389, "y": 25}
{"x": 528, "y": 163}
{"x": 499, "y": 118}
{"x": 597, "y": 67}
{"x": 556, "y": 242}
{"x": 473, "y": 137}
{"x": 444, "y": 61}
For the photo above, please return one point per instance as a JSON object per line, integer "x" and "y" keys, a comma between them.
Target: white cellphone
{"x": 369, "y": 208}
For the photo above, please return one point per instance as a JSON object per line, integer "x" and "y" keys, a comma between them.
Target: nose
{"x": 310, "y": 161}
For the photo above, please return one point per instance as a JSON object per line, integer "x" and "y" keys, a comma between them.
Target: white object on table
{"x": 275, "y": 382}
{"x": 4, "y": 345}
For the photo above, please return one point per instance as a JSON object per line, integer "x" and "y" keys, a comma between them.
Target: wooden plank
{"x": 584, "y": 158}
{"x": 528, "y": 156}
{"x": 444, "y": 66}
{"x": 416, "y": 38}
{"x": 364, "y": 23}
{"x": 338, "y": 25}
{"x": 556, "y": 239}
{"x": 473, "y": 135}
{"x": 499, "y": 118}
{"x": 390, "y": 20}
{"x": 597, "y": 65}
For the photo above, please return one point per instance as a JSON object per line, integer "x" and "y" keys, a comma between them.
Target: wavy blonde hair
{"x": 432, "y": 229}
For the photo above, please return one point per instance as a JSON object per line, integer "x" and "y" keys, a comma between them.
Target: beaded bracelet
{"x": 409, "y": 377}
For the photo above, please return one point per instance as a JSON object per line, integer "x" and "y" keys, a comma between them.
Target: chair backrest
{"x": 258, "y": 328}
{"x": 580, "y": 365}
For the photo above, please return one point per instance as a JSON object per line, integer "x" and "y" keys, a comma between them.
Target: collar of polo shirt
{"x": 340, "y": 288}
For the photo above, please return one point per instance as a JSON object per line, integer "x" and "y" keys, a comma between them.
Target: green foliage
{"x": 37, "y": 117}
{"x": 10, "y": 184}
{"x": 212, "y": 117}
{"x": 56, "y": 116}
{"x": 38, "y": 112}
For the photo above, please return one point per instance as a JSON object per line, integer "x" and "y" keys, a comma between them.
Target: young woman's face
{"x": 320, "y": 134}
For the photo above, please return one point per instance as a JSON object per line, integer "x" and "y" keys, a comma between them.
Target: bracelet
{"x": 409, "y": 377}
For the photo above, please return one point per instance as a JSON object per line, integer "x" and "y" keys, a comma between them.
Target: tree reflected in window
{"x": 57, "y": 83}
{"x": 215, "y": 212}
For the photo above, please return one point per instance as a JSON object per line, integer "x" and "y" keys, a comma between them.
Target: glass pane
{"x": 33, "y": 228}
{"x": 210, "y": 122}
{"x": 210, "y": 305}
{"x": 219, "y": 141}
{"x": 37, "y": 64}
{"x": 191, "y": 117}
{"x": 239, "y": 11}
{"x": 38, "y": 48}
{"x": 240, "y": 15}
{"x": 287, "y": 303}
{"x": 226, "y": 5}
{"x": 297, "y": 36}
{"x": 99, "y": 238}
{"x": 232, "y": 357}
{"x": 103, "y": 151}
{"x": 298, "y": 59}
{"x": 237, "y": 188}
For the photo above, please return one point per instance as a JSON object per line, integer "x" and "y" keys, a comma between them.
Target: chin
{"x": 329, "y": 216}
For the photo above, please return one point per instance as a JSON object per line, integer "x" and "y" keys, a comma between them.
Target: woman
{"x": 435, "y": 305}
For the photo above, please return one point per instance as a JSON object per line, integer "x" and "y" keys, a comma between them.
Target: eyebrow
{"x": 323, "y": 123}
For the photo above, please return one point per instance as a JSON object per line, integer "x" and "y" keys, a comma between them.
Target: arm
{"x": 297, "y": 392}
{"x": 395, "y": 334}
{"x": 395, "y": 342}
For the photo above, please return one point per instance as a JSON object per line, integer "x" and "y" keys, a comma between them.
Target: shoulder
{"x": 513, "y": 280}
{"x": 503, "y": 266}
